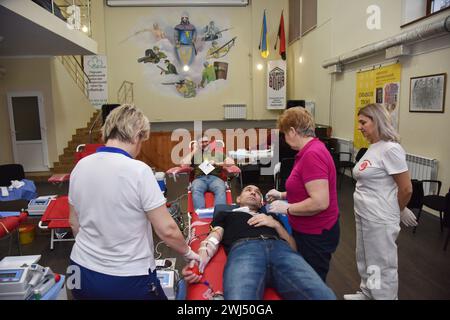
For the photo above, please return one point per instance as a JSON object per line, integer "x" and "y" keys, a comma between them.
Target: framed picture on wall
{"x": 427, "y": 93}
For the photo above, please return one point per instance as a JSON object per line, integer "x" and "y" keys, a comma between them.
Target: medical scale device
{"x": 21, "y": 278}
{"x": 166, "y": 273}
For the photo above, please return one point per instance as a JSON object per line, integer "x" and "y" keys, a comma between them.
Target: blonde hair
{"x": 298, "y": 118}
{"x": 382, "y": 120}
{"x": 125, "y": 123}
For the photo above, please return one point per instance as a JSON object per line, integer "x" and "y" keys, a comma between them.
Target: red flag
{"x": 282, "y": 36}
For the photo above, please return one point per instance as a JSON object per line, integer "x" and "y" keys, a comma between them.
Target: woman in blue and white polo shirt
{"x": 115, "y": 201}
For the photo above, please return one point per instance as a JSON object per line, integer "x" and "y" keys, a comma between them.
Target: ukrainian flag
{"x": 264, "y": 45}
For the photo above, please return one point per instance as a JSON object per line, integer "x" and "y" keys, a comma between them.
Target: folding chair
{"x": 56, "y": 216}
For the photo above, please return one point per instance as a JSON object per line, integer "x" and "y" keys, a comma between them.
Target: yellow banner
{"x": 377, "y": 86}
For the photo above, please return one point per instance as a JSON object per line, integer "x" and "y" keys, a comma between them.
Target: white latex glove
{"x": 207, "y": 250}
{"x": 273, "y": 195}
{"x": 191, "y": 255}
{"x": 408, "y": 218}
{"x": 279, "y": 206}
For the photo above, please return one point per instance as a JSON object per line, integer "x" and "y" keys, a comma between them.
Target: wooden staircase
{"x": 66, "y": 161}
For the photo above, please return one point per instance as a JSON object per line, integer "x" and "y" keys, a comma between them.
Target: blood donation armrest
{"x": 179, "y": 170}
{"x": 59, "y": 178}
{"x": 230, "y": 170}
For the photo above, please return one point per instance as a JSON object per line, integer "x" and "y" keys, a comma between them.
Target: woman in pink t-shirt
{"x": 311, "y": 193}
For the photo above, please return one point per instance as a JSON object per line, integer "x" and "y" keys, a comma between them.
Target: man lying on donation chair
{"x": 260, "y": 253}
{"x": 205, "y": 153}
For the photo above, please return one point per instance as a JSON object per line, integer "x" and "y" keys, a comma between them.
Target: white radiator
{"x": 422, "y": 168}
{"x": 235, "y": 111}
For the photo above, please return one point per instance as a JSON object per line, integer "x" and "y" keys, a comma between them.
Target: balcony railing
{"x": 76, "y": 13}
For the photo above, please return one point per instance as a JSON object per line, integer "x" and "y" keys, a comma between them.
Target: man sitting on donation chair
{"x": 260, "y": 253}
{"x": 206, "y": 154}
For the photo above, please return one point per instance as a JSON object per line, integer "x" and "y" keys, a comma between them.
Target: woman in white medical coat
{"x": 383, "y": 189}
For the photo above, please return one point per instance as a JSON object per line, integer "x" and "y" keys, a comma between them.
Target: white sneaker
{"x": 356, "y": 296}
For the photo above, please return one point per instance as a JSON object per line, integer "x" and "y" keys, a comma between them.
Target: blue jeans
{"x": 253, "y": 265}
{"x": 208, "y": 183}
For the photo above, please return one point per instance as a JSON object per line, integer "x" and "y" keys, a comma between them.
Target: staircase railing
{"x": 125, "y": 93}
{"x": 91, "y": 128}
{"x": 76, "y": 71}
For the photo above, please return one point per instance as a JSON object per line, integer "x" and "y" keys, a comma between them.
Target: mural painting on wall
{"x": 183, "y": 59}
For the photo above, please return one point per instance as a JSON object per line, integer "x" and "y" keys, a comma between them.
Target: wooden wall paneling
{"x": 156, "y": 151}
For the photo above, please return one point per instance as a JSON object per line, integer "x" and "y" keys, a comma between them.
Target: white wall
{"x": 66, "y": 108}
{"x": 25, "y": 75}
{"x": 310, "y": 81}
{"x": 413, "y": 9}
{"x": 273, "y": 11}
{"x": 349, "y": 21}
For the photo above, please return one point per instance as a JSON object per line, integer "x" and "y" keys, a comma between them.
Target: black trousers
{"x": 316, "y": 249}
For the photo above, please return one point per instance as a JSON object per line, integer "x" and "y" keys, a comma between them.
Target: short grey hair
{"x": 382, "y": 120}
{"x": 125, "y": 123}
